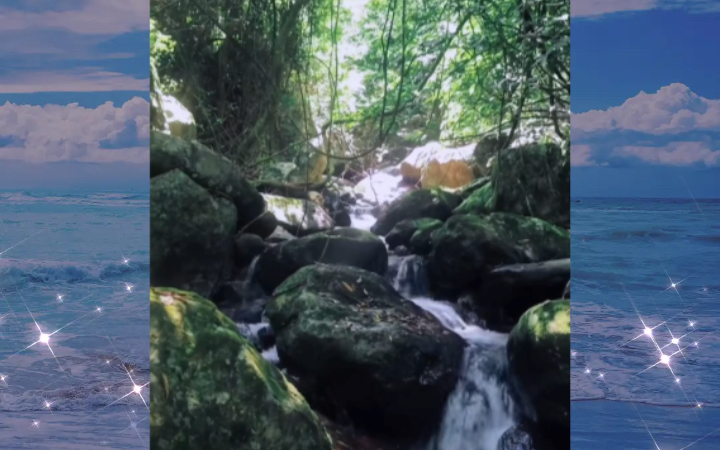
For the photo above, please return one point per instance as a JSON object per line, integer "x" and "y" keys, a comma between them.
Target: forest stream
{"x": 360, "y": 229}
{"x": 480, "y": 409}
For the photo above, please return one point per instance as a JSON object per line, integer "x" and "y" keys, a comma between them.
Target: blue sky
{"x": 645, "y": 98}
{"x": 74, "y": 94}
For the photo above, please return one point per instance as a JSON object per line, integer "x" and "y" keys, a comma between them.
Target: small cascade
{"x": 480, "y": 409}
{"x": 362, "y": 219}
{"x": 375, "y": 191}
{"x": 252, "y": 288}
{"x": 258, "y": 333}
{"x": 409, "y": 275}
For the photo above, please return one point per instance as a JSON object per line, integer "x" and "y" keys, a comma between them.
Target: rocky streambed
{"x": 376, "y": 315}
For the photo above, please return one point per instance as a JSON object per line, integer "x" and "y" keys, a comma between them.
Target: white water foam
{"x": 480, "y": 408}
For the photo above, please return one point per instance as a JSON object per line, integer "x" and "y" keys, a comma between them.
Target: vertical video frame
{"x": 74, "y": 226}
{"x": 360, "y": 225}
{"x": 645, "y": 210}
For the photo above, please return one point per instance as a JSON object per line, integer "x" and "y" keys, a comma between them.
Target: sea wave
{"x": 591, "y": 398}
{"x": 95, "y": 199}
{"x": 96, "y": 392}
{"x": 629, "y": 210}
{"x": 92, "y": 395}
{"x": 13, "y": 271}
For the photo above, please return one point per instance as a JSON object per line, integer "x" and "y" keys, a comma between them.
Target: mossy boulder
{"x": 383, "y": 360}
{"x": 533, "y": 180}
{"x": 418, "y": 204}
{"x": 210, "y": 389}
{"x": 539, "y": 361}
{"x": 247, "y": 247}
{"x": 341, "y": 246}
{"x": 191, "y": 234}
{"x": 480, "y": 201}
{"x": 402, "y": 233}
{"x": 474, "y": 186}
{"x": 469, "y": 246}
{"x": 508, "y": 291}
{"x": 421, "y": 241}
{"x": 208, "y": 169}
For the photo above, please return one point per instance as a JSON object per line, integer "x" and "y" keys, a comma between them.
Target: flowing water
{"x": 626, "y": 254}
{"x": 480, "y": 409}
{"x": 75, "y": 267}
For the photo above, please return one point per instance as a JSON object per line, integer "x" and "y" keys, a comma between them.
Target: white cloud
{"x": 54, "y": 133}
{"x": 581, "y": 155}
{"x": 101, "y": 17}
{"x": 85, "y": 79}
{"x": 672, "y": 109}
{"x": 674, "y": 154}
{"x": 597, "y": 8}
{"x": 673, "y": 126}
{"x": 592, "y": 8}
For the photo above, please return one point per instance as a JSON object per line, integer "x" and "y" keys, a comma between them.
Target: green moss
{"x": 360, "y": 343}
{"x": 211, "y": 389}
{"x": 432, "y": 203}
{"x": 479, "y": 201}
{"x": 548, "y": 318}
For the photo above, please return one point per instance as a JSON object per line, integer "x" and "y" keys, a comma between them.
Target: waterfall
{"x": 480, "y": 409}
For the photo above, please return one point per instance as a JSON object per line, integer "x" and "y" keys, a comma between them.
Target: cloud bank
{"x": 68, "y": 45}
{"x": 70, "y": 133}
{"x": 92, "y": 17}
{"x": 597, "y": 8}
{"x": 673, "y": 126}
{"x": 84, "y": 79}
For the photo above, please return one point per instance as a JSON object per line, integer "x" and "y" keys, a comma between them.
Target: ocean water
{"x": 645, "y": 283}
{"x": 74, "y": 320}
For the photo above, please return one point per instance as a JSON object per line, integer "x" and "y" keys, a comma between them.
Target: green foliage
{"x": 162, "y": 50}
{"x": 479, "y": 65}
{"x": 260, "y": 76}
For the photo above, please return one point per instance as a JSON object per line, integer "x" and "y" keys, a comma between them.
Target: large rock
{"x": 383, "y": 360}
{"x": 421, "y": 241}
{"x": 191, "y": 234}
{"x": 508, "y": 291}
{"x": 469, "y": 246}
{"x": 298, "y": 216}
{"x": 533, "y": 180}
{"x": 423, "y": 203}
{"x": 436, "y": 166}
{"x": 402, "y": 233}
{"x": 486, "y": 151}
{"x": 539, "y": 362}
{"x": 210, "y": 389}
{"x": 480, "y": 201}
{"x": 343, "y": 246}
{"x": 248, "y": 247}
{"x": 210, "y": 170}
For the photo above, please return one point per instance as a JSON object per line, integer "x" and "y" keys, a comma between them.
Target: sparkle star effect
{"x": 136, "y": 389}
{"x": 670, "y": 344}
{"x": 24, "y": 314}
